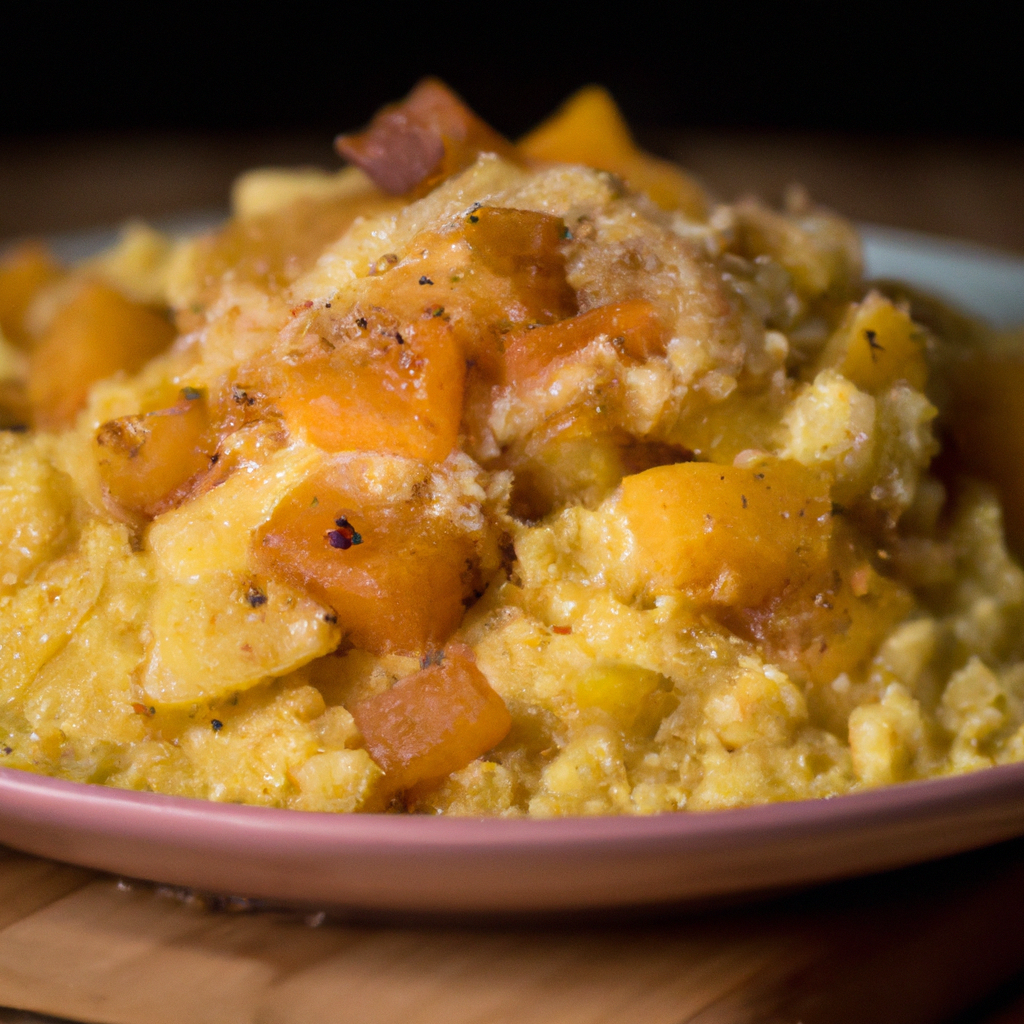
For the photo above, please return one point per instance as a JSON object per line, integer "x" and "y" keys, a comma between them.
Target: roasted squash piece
{"x": 877, "y": 345}
{"x": 433, "y": 722}
{"x": 97, "y": 333}
{"x": 149, "y": 462}
{"x": 589, "y": 129}
{"x": 524, "y": 247}
{"x": 419, "y": 142}
{"x": 728, "y": 535}
{"x": 633, "y": 326}
{"x": 23, "y": 272}
{"x": 395, "y": 575}
{"x": 375, "y": 383}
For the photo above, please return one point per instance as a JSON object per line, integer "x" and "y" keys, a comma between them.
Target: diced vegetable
{"x": 633, "y": 326}
{"x": 876, "y": 346}
{"x": 590, "y": 130}
{"x": 830, "y": 625}
{"x": 525, "y": 248}
{"x": 728, "y": 535}
{"x": 433, "y": 722}
{"x": 395, "y": 576}
{"x": 148, "y": 462}
{"x": 375, "y": 383}
{"x": 426, "y": 138}
{"x": 97, "y": 333}
{"x": 23, "y": 272}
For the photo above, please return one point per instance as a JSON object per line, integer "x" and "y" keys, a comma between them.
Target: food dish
{"x": 674, "y": 461}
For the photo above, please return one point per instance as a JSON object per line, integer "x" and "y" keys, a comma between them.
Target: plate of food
{"x": 509, "y": 528}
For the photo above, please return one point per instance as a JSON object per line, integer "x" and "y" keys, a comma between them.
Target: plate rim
{"x": 19, "y": 786}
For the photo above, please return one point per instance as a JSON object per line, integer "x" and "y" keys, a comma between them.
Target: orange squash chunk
{"x": 148, "y": 463}
{"x": 426, "y": 138}
{"x": 395, "y": 577}
{"x": 525, "y": 248}
{"x": 23, "y": 272}
{"x": 433, "y": 722}
{"x": 589, "y": 129}
{"x": 98, "y": 333}
{"x": 876, "y": 346}
{"x": 373, "y": 383}
{"x": 634, "y": 326}
{"x": 728, "y": 535}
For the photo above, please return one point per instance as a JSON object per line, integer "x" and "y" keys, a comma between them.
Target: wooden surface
{"x": 917, "y": 946}
{"x": 938, "y": 943}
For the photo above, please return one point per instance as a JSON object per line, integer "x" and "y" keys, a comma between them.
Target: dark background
{"x": 811, "y": 67}
{"x": 152, "y": 112}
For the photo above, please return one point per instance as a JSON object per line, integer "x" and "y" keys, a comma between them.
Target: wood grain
{"x": 916, "y": 946}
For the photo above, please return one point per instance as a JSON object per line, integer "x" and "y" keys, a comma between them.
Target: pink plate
{"x": 392, "y": 863}
{"x": 388, "y": 863}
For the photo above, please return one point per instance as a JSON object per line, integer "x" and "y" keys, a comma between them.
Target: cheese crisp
{"x": 494, "y": 479}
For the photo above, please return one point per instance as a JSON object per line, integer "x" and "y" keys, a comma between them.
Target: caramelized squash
{"x": 149, "y": 462}
{"x": 375, "y": 383}
{"x": 396, "y": 576}
{"x": 728, "y": 535}
{"x": 633, "y": 326}
{"x": 433, "y": 722}
{"x": 524, "y": 247}
{"x": 419, "y": 142}
{"x": 589, "y": 129}
{"x": 98, "y": 333}
{"x": 876, "y": 346}
{"x": 23, "y": 273}
{"x": 832, "y": 624}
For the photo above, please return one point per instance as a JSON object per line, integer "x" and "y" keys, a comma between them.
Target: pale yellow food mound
{"x": 693, "y": 543}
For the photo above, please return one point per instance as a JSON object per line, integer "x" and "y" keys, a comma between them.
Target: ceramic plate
{"x": 385, "y": 863}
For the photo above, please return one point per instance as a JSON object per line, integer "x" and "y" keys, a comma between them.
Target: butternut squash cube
{"x": 378, "y": 385}
{"x": 834, "y": 623}
{"x": 148, "y": 462}
{"x": 433, "y": 722}
{"x": 633, "y": 326}
{"x": 421, "y": 141}
{"x": 23, "y": 272}
{"x": 589, "y": 129}
{"x": 728, "y": 535}
{"x": 395, "y": 576}
{"x": 877, "y": 345}
{"x": 98, "y": 333}
{"x": 525, "y": 248}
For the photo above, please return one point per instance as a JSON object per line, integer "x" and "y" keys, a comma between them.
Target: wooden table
{"x": 923, "y": 945}
{"x": 914, "y": 947}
